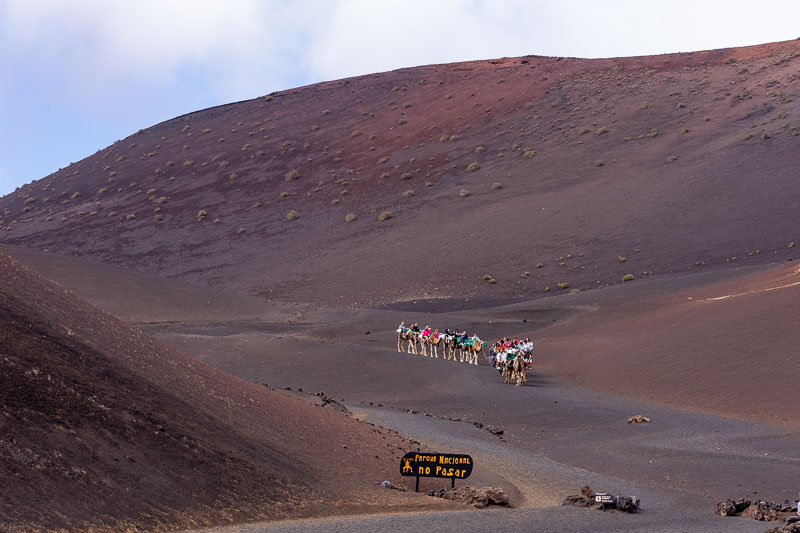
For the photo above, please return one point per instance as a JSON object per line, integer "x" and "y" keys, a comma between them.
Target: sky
{"x": 76, "y": 75}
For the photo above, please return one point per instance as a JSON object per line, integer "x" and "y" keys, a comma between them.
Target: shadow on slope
{"x": 103, "y": 426}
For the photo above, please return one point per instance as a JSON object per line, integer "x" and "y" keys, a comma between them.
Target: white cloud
{"x": 239, "y": 48}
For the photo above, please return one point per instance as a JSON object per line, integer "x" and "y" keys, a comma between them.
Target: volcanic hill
{"x": 481, "y": 179}
{"x": 101, "y": 426}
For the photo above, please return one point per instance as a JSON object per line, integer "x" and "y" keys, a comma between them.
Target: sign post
{"x": 432, "y": 464}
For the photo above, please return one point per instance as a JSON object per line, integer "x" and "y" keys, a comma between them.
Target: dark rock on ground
{"x": 760, "y": 511}
{"x": 628, "y": 504}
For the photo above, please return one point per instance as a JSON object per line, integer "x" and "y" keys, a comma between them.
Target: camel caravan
{"x": 512, "y": 358}
{"x": 455, "y": 345}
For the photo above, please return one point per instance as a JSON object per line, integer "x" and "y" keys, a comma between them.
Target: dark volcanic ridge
{"x": 102, "y": 426}
{"x": 542, "y": 174}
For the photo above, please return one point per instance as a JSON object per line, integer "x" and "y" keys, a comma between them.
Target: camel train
{"x": 454, "y": 346}
{"x": 513, "y": 369}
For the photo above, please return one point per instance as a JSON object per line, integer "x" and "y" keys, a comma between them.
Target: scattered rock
{"x": 472, "y": 496}
{"x": 626, "y": 504}
{"x": 638, "y": 419}
{"x": 760, "y": 511}
{"x": 467, "y": 496}
{"x": 495, "y": 431}
{"x": 389, "y": 485}
{"x": 576, "y": 500}
{"x": 731, "y": 507}
{"x": 496, "y": 495}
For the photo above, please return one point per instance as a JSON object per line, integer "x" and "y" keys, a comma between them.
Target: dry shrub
{"x": 291, "y": 215}
{"x": 599, "y": 163}
{"x": 291, "y": 175}
{"x": 529, "y": 154}
{"x": 463, "y": 193}
{"x": 497, "y": 185}
{"x": 409, "y": 193}
{"x": 356, "y": 133}
{"x": 385, "y": 215}
{"x": 472, "y": 166}
{"x": 601, "y": 131}
{"x": 406, "y": 175}
{"x": 349, "y": 217}
{"x": 628, "y": 277}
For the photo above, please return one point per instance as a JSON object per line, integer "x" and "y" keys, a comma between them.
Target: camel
{"x": 450, "y": 346}
{"x": 514, "y": 369}
{"x": 407, "y": 335}
{"x": 433, "y": 339}
{"x": 472, "y": 350}
{"x": 413, "y": 339}
{"x": 518, "y": 367}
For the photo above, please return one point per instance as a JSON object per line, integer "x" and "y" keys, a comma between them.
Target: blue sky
{"x": 76, "y": 75}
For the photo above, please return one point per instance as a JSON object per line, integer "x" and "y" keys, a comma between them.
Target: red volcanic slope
{"x": 673, "y": 163}
{"x": 101, "y": 425}
{"x": 728, "y": 348}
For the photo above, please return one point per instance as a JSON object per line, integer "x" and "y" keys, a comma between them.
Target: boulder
{"x": 732, "y": 507}
{"x": 628, "y": 504}
{"x": 791, "y": 528}
{"x": 741, "y": 504}
{"x": 726, "y": 508}
{"x": 637, "y": 419}
{"x": 468, "y": 496}
{"x": 760, "y": 511}
{"x": 576, "y": 500}
{"x": 496, "y": 495}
